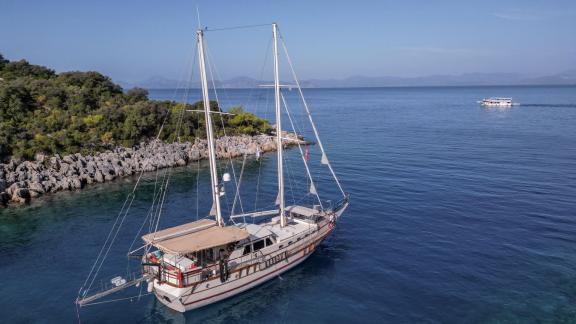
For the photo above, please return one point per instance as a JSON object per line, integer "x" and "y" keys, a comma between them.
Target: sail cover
{"x": 194, "y": 236}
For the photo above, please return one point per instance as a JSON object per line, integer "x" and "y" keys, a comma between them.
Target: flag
{"x": 306, "y": 154}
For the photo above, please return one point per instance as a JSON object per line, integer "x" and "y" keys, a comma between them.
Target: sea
{"x": 458, "y": 214}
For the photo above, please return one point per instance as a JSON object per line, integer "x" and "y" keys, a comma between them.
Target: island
{"x": 63, "y": 131}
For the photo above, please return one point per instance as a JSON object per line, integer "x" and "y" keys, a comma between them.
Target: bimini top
{"x": 194, "y": 236}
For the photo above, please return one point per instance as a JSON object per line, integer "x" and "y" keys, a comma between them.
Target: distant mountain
{"x": 155, "y": 82}
{"x": 565, "y": 78}
{"x": 466, "y": 79}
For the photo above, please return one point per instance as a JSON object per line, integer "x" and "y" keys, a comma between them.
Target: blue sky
{"x": 133, "y": 40}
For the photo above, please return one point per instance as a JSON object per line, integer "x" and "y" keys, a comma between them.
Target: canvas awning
{"x": 301, "y": 210}
{"x": 194, "y": 236}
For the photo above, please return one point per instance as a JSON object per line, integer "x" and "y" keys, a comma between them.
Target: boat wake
{"x": 549, "y": 105}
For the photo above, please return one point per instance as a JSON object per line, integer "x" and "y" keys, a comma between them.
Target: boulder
{"x": 48, "y": 185}
{"x": 109, "y": 176}
{"x": 55, "y": 162}
{"x": 76, "y": 183}
{"x": 13, "y": 187}
{"x": 4, "y": 198}
{"x": 99, "y": 177}
{"x": 21, "y": 195}
{"x": 36, "y": 187}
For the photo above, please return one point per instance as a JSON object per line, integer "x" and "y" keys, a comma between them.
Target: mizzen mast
{"x": 216, "y": 209}
{"x": 279, "y": 150}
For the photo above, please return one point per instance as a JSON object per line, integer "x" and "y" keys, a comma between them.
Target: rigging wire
{"x": 327, "y": 162}
{"x": 215, "y": 74}
{"x": 168, "y": 173}
{"x": 266, "y": 115}
{"x": 123, "y": 211}
{"x": 207, "y": 29}
{"x": 302, "y": 153}
{"x": 238, "y": 190}
{"x": 208, "y": 58}
{"x": 118, "y": 299}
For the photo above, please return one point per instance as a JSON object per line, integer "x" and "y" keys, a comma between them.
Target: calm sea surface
{"x": 459, "y": 214}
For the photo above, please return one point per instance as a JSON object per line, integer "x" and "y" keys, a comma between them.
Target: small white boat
{"x": 497, "y": 102}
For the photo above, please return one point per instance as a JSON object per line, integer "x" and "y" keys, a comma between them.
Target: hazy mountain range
{"x": 467, "y": 79}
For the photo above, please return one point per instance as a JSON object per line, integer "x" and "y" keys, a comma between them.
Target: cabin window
{"x": 258, "y": 245}
{"x": 247, "y": 249}
{"x": 289, "y": 242}
{"x": 281, "y": 246}
{"x": 268, "y": 241}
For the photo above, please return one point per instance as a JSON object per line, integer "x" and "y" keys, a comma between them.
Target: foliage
{"x": 45, "y": 112}
{"x": 3, "y": 61}
{"x": 246, "y": 123}
{"x": 18, "y": 69}
{"x": 137, "y": 94}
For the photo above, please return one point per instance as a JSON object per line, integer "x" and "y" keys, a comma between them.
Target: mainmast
{"x": 216, "y": 209}
{"x": 279, "y": 152}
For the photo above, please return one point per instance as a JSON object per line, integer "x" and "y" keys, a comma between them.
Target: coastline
{"x": 21, "y": 181}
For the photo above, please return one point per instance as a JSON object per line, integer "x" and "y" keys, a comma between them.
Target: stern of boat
{"x": 171, "y": 301}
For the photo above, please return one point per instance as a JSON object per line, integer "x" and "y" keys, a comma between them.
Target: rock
{"x": 11, "y": 177}
{"x": 22, "y": 180}
{"x": 13, "y": 187}
{"x": 181, "y": 162}
{"x": 76, "y": 183}
{"x": 64, "y": 167}
{"x": 99, "y": 177}
{"x": 11, "y": 166}
{"x": 21, "y": 195}
{"x": 36, "y": 187}
{"x": 55, "y": 162}
{"x": 4, "y": 198}
{"x": 70, "y": 159}
{"x": 40, "y": 157}
{"x": 48, "y": 185}
{"x": 36, "y": 176}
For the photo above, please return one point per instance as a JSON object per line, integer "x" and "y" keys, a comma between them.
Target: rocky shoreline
{"x": 21, "y": 181}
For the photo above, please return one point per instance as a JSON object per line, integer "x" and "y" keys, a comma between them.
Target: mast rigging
{"x": 216, "y": 209}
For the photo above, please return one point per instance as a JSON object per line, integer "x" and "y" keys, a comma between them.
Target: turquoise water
{"x": 459, "y": 214}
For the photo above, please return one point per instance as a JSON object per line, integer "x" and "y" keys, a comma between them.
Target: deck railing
{"x": 177, "y": 278}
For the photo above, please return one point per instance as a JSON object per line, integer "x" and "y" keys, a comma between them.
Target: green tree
{"x": 136, "y": 94}
{"x": 3, "y": 61}
{"x": 17, "y": 69}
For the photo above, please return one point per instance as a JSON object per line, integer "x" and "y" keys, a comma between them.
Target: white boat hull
{"x": 497, "y": 105}
{"x": 213, "y": 290}
{"x": 227, "y": 290}
{"x": 208, "y": 292}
